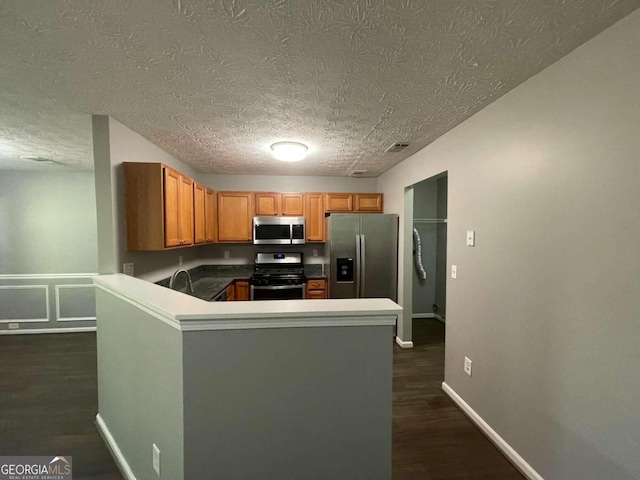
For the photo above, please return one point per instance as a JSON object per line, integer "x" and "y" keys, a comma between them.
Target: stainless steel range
{"x": 278, "y": 276}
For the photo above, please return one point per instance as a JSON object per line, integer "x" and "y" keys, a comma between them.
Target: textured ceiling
{"x": 216, "y": 82}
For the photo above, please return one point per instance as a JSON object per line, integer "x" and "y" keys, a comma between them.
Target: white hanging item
{"x": 417, "y": 242}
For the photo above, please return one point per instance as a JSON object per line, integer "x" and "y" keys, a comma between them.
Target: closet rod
{"x": 429, "y": 220}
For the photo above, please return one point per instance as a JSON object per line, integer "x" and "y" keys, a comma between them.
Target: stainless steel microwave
{"x": 278, "y": 230}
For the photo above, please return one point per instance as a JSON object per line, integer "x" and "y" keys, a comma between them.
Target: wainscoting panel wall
{"x": 47, "y": 303}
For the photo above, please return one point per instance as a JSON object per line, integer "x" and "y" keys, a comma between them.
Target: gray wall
{"x": 47, "y": 222}
{"x": 258, "y": 412}
{"x": 140, "y": 386}
{"x": 547, "y": 303}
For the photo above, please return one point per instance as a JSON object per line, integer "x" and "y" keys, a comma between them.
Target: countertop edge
{"x": 188, "y": 313}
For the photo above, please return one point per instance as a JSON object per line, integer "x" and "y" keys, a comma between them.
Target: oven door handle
{"x": 277, "y": 287}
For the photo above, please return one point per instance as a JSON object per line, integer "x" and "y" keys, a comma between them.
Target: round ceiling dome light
{"x": 289, "y": 151}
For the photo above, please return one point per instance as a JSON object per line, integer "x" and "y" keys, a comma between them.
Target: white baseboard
{"x": 519, "y": 462}
{"x": 404, "y": 344}
{"x": 48, "y": 330}
{"x": 418, "y": 316}
{"x": 114, "y": 449}
{"x": 439, "y": 318}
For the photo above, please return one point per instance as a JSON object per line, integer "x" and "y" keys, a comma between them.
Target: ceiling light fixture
{"x": 289, "y": 151}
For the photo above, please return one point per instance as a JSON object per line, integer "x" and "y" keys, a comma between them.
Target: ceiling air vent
{"x": 358, "y": 173}
{"x": 397, "y": 147}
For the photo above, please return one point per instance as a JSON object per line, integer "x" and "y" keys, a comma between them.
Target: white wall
{"x": 47, "y": 222}
{"x": 547, "y": 304}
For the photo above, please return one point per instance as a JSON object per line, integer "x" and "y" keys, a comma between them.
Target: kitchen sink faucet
{"x": 172, "y": 281}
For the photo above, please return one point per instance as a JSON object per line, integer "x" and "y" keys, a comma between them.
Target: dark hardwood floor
{"x": 48, "y": 402}
{"x": 432, "y": 438}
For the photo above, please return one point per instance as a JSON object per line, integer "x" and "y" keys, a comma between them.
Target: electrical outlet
{"x": 471, "y": 238}
{"x": 315, "y": 252}
{"x": 454, "y": 271}
{"x": 179, "y": 259}
{"x": 227, "y": 254}
{"x": 467, "y": 365}
{"x": 156, "y": 459}
{"x": 127, "y": 269}
{"x": 14, "y": 326}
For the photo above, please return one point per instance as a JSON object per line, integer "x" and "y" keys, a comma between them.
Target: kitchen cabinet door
{"x": 279, "y": 204}
{"x": 338, "y": 202}
{"x": 292, "y": 204}
{"x": 241, "y": 290}
{"x": 368, "y": 202}
{"x": 172, "y": 236}
{"x": 235, "y": 217}
{"x": 268, "y": 204}
{"x": 210, "y": 216}
{"x": 199, "y": 213}
{"x": 185, "y": 210}
{"x": 316, "y": 289}
{"x": 314, "y": 217}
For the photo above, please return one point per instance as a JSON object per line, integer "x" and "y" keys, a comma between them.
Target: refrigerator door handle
{"x": 357, "y": 266}
{"x": 363, "y": 259}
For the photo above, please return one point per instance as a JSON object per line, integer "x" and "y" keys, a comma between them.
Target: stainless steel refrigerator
{"x": 361, "y": 255}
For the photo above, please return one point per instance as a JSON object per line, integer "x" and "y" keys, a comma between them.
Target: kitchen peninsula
{"x": 238, "y": 390}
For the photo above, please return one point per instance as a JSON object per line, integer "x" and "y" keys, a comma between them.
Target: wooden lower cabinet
{"x": 231, "y": 293}
{"x": 241, "y": 290}
{"x": 316, "y": 288}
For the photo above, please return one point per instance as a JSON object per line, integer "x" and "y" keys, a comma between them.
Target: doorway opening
{"x": 429, "y": 260}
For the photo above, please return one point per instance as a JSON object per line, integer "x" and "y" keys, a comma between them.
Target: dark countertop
{"x": 209, "y": 280}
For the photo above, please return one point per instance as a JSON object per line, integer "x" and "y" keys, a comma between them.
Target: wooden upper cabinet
{"x": 199, "y": 213}
{"x": 367, "y": 202}
{"x": 279, "y": 204}
{"x": 268, "y": 204}
{"x": 235, "y": 216}
{"x": 338, "y": 202}
{"x": 159, "y": 207}
{"x": 292, "y": 204}
{"x": 314, "y": 217}
{"x": 210, "y": 216}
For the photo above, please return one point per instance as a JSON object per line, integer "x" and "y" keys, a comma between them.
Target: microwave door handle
{"x": 357, "y": 266}
{"x": 363, "y": 263}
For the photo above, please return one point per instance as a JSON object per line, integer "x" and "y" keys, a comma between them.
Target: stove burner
{"x": 277, "y": 269}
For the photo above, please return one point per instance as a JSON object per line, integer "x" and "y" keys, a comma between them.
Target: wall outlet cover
{"x": 156, "y": 459}
{"x": 127, "y": 269}
{"x": 467, "y": 365}
{"x": 227, "y": 254}
{"x": 14, "y": 326}
{"x": 454, "y": 271}
{"x": 471, "y": 238}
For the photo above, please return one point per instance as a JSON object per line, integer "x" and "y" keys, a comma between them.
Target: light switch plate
{"x": 454, "y": 271}
{"x": 471, "y": 238}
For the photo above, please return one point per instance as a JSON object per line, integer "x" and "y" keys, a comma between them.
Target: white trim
{"x": 404, "y": 344}
{"x": 27, "y": 276}
{"x": 422, "y": 315}
{"x": 48, "y": 330}
{"x": 161, "y": 315}
{"x": 238, "y": 321}
{"x": 513, "y": 456}
{"x": 116, "y": 453}
{"x": 439, "y": 318}
{"x": 70, "y": 319}
{"x": 256, "y": 323}
{"x": 28, "y": 320}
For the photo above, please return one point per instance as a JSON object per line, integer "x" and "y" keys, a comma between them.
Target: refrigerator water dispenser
{"x": 344, "y": 270}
